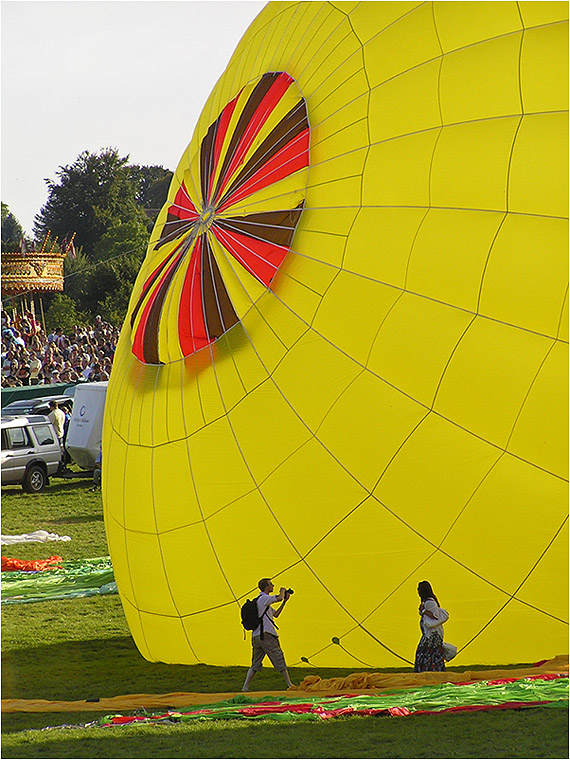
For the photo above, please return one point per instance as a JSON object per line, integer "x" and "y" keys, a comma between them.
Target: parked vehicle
{"x": 30, "y": 452}
{"x": 34, "y": 405}
{"x": 85, "y": 429}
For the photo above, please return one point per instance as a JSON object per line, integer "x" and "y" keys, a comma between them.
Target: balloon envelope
{"x": 344, "y": 362}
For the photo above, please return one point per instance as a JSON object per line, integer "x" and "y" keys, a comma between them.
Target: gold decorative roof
{"x": 32, "y": 272}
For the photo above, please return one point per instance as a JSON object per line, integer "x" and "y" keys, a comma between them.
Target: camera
{"x": 289, "y": 591}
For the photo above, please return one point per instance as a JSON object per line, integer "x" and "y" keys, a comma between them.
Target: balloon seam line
{"x": 513, "y": 597}
{"x": 465, "y": 567}
{"x": 564, "y": 300}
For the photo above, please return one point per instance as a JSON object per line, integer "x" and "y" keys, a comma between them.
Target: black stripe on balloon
{"x": 283, "y": 133}
{"x": 259, "y": 92}
{"x": 150, "y": 338}
{"x": 276, "y": 227}
{"x": 207, "y": 159}
{"x": 219, "y": 313}
{"x": 176, "y": 228}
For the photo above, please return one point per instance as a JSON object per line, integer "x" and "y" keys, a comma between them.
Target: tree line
{"x": 109, "y": 205}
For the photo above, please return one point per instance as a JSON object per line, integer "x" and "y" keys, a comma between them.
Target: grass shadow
{"x": 109, "y": 667}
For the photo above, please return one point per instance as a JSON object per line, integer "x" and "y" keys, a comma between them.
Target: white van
{"x": 85, "y": 430}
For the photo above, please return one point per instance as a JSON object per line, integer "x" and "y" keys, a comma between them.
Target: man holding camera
{"x": 265, "y": 639}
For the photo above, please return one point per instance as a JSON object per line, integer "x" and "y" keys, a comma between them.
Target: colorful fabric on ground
{"x": 75, "y": 578}
{"x": 29, "y": 538}
{"x": 11, "y": 564}
{"x": 551, "y": 691}
{"x": 384, "y": 683}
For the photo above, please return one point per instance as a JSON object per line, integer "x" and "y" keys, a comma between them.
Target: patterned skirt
{"x": 429, "y": 654}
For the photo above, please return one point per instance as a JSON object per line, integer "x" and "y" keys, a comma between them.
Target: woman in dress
{"x": 429, "y": 654}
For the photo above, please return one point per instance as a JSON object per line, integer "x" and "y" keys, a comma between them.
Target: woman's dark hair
{"x": 426, "y": 592}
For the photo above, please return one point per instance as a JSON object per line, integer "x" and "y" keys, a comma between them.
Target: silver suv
{"x": 30, "y": 452}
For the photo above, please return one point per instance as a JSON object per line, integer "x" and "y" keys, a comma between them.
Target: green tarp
{"x": 85, "y": 577}
{"x": 33, "y": 391}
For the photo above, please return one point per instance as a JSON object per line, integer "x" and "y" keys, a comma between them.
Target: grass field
{"x": 81, "y": 649}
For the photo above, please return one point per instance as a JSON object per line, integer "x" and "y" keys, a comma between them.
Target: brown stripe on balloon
{"x": 148, "y": 285}
{"x": 259, "y": 92}
{"x": 176, "y": 228}
{"x": 276, "y": 227}
{"x": 207, "y": 158}
{"x": 288, "y": 128}
{"x": 150, "y": 337}
{"x": 219, "y": 313}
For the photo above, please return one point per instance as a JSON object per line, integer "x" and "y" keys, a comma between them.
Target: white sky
{"x": 131, "y": 74}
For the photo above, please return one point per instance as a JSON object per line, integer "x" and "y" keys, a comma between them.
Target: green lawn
{"x": 511, "y": 734}
{"x": 81, "y": 649}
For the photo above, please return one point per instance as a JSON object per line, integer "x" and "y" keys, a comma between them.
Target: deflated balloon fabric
{"x": 11, "y": 564}
{"x": 549, "y": 691}
{"x": 72, "y": 579}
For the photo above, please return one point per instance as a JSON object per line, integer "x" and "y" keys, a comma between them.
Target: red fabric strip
{"x": 540, "y": 677}
{"x": 119, "y": 720}
{"x": 191, "y": 327}
{"x": 287, "y": 161}
{"x": 259, "y": 257}
{"x": 183, "y": 207}
{"x": 30, "y": 565}
{"x": 271, "y": 709}
{"x": 267, "y": 105}
{"x": 225, "y": 118}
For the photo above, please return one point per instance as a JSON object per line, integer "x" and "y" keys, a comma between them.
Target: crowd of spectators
{"x": 32, "y": 357}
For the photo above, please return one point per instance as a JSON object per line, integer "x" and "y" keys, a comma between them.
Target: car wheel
{"x": 35, "y": 479}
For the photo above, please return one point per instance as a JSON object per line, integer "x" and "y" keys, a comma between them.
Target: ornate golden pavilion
{"x": 32, "y": 272}
{"x": 29, "y": 272}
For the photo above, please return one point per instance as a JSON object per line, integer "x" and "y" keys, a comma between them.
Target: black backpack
{"x": 250, "y": 617}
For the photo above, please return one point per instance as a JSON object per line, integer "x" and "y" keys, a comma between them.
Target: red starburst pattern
{"x": 245, "y": 151}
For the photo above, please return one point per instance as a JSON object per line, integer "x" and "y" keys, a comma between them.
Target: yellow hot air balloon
{"x": 344, "y": 362}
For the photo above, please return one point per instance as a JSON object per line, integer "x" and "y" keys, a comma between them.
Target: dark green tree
{"x": 90, "y": 195}
{"x": 62, "y": 312}
{"x": 12, "y": 230}
{"x": 76, "y": 270}
{"x": 153, "y": 183}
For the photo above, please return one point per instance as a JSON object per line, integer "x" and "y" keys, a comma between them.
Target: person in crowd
{"x": 265, "y": 639}
{"x": 430, "y": 653}
{"x": 35, "y": 367}
{"x": 30, "y": 356}
{"x": 23, "y": 374}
